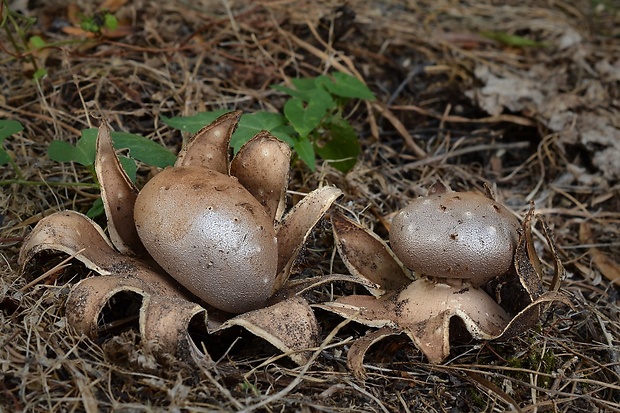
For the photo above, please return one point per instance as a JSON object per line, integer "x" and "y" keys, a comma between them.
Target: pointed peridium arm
{"x": 296, "y": 226}
{"x": 262, "y": 166}
{"x": 288, "y": 325}
{"x": 367, "y": 256}
{"x": 118, "y": 194}
{"x": 209, "y": 147}
{"x": 74, "y": 234}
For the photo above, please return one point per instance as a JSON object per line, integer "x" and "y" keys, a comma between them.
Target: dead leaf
{"x": 112, "y": 5}
{"x": 609, "y": 268}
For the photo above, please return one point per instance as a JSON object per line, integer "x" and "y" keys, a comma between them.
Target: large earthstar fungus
{"x": 205, "y": 245}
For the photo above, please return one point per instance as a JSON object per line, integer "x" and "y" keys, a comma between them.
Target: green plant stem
{"x": 12, "y": 16}
{"x": 47, "y": 183}
{"x": 16, "y": 169}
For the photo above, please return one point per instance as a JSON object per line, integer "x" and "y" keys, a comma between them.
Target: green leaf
{"x": 39, "y": 74}
{"x": 285, "y": 133}
{"x": 110, "y": 21}
{"x": 37, "y": 42}
{"x": 193, "y": 124}
{"x": 130, "y": 167}
{"x": 306, "y": 118}
{"x": 304, "y": 83}
{"x": 339, "y": 145}
{"x": 88, "y": 24}
{"x": 251, "y": 124}
{"x": 306, "y": 90}
{"x": 97, "y": 209}
{"x": 83, "y": 152}
{"x": 303, "y": 148}
{"x": 345, "y": 85}
{"x": 4, "y": 157}
{"x": 8, "y": 128}
{"x": 303, "y": 95}
{"x": 140, "y": 148}
{"x": 143, "y": 149}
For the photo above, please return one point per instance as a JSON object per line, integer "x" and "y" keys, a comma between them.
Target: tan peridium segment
{"x": 529, "y": 241}
{"x": 289, "y": 325}
{"x": 527, "y": 265}
{"x": 523, "y": 287}
{"x": 559, "y": 272}
{"x": 262, "y": 166}
{"x": 296, "y": 226}
{"x": 358, "y": 349}
{"x": 424, "y": 310}
{"x": 209, "y": 147}
{"x": 88, "y": 298}
{"x": 368, "y": 256}
{"x": 75, "y": 234}
{"x": 70, "y": 232}
{"x": 118, "y": 195}
{"x": 169, "y": 322}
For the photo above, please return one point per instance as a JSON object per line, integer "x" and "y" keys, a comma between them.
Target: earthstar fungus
{"x": 458, "y": 262}
{"x": 204, "y": 245}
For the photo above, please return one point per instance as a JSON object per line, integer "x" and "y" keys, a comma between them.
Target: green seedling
{"x": 249, "y": 125}
{"x": 312, "y": 122}
{"x": 99, "y": 21}
{"x": 138, "y": 148}
{"x": 7, "y": 128}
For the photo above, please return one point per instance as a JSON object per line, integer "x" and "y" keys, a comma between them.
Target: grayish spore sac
{"x": 455, "y": 235}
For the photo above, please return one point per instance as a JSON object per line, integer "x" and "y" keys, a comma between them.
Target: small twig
{"x": 367, "y": 394}
{"x": 444, "y": 157}
{"x": 518, "y": 120}
{"x": 10, "y": 240}
{"x": 398, "y": 125}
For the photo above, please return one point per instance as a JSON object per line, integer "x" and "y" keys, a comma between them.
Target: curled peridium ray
{"x": 369, "y": 258}
{"x": 119, "y": 277}
{"x": 297, "y": 225}
{"x": 75, "y": 234}
{"x": 209, "y": 147}
{"x": 89, "y": 297}
{"x": 172, "y": 324}
{"x": 289, "y": 325}
{"x": 118, "y": 194}
{"x": 424, "y": 309}
{"x": 165, "y": 313}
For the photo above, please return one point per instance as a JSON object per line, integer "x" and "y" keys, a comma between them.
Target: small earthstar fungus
{"x": 205, "y": 245}
{"x": 458, "y": 263}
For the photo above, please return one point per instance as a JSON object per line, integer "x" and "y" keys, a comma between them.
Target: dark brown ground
{"x": 540, "y": 123}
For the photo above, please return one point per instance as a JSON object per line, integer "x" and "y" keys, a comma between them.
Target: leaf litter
{"x": 538, "y": 120}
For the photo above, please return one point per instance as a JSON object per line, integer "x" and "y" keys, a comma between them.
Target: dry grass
{"x": 420, "y": 58}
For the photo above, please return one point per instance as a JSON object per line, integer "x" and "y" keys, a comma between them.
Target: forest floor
{"x": 524, "y": 96}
